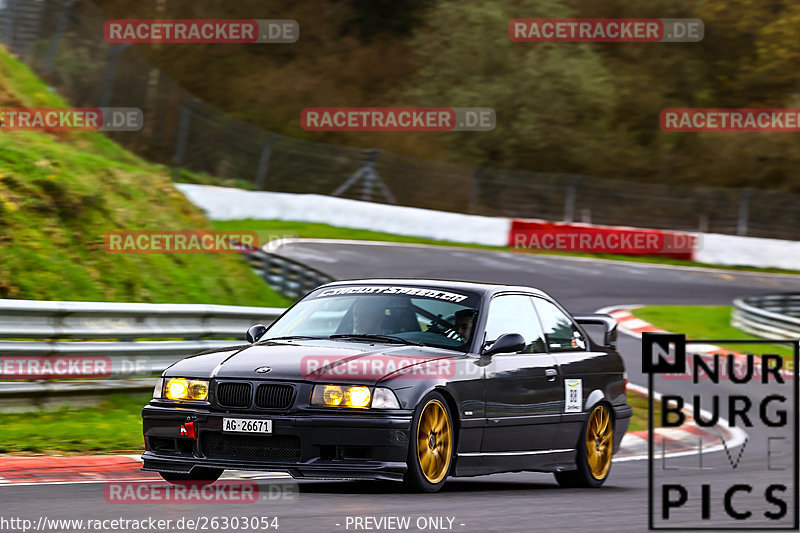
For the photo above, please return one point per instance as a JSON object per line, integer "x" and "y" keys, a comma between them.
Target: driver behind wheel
{"x": 463, "y": 320}
{"x": 368, "y": 316}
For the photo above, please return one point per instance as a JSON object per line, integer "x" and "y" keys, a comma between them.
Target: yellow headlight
{"x": 198, "y": 390}
{"x": 177, "y": 389}
{"x": 332, "y": 395}
{"x": 185, "y": 389}
{"x": 341, "y": 396}
{"x": 357, "y": 397}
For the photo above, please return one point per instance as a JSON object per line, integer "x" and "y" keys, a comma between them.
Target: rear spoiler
{"x": 607, "y": 321}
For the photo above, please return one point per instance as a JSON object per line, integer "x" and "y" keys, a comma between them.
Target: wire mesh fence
{"x": 62, "y": 40}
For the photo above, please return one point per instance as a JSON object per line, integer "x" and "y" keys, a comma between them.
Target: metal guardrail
{"x": 774, "y": 316}
{"x": 124, "y": 332}
{"x": 288, "y": 277}
{"x": 27, "y": 396}
{"x": 35, "y": 319}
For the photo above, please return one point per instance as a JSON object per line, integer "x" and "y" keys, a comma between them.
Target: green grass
{"x": 278, "y": 228}
{"x": 639, "y": 404}
{"x": 272, "y": 229}
{"x": 60, "y": 193}
{"x": 115, "y": 426}
{"x": 705, "y": 322}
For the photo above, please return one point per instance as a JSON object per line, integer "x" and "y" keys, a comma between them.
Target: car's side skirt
{"x": 534, "y": 452}
{"x": 479, "y": 463}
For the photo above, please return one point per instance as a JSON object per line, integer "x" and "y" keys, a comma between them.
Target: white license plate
{"x": 246, "y": 425}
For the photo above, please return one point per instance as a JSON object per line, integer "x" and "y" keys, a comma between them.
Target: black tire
{"x": 198, "y": 476}
{"x": 415, "y": 479}
{"x": 584, "y": 476}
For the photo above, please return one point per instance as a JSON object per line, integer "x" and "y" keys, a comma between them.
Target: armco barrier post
{"x": 744, "y": 209}
{"x": 702, "y": 225}
{"x": 370, "y": 178}
{"x": 63, "y": 18}
{"x": 108, "y": 80}
{"x": 7, "y": 14}
{"x": 263, "y": 163}
{"x": 569, "y": 200}
{"x": 474, "y": 190}
{"x": 184, "y": 123}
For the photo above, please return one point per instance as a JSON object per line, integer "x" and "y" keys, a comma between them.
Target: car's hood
{"x": 310, "y": 361}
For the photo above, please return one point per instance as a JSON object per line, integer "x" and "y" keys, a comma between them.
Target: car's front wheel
{"x": 199, "y": 476}
{"x": 430, "y": 452}
{"x": 595, "y": 448}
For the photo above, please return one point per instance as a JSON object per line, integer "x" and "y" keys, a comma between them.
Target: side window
{"x": 514, "y": 313}
{"x": 560, "y": 331}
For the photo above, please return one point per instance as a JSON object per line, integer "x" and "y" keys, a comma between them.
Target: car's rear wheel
{"x": 430, "y": 452}
{"x": 595, "y": 448}
{"x": 199, "y": 476}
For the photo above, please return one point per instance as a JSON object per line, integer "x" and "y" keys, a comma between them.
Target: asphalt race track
{"x": 582, "y": 285}
{"x": 508, "y": 502}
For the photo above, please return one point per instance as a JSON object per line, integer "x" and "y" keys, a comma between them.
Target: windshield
{"x": 418, "y": 314}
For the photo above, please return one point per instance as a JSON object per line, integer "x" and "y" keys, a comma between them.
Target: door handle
{"x": 551, "y": 374}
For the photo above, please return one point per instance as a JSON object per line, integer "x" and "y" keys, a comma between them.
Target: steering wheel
{"x": 445, "y": 328}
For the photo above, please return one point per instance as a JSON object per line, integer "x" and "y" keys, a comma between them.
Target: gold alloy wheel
{"x": 434, "y": 441}
{"x": 599, "y": 442}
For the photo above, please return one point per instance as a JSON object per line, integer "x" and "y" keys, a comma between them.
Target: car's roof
{"x": 440, "y": 284}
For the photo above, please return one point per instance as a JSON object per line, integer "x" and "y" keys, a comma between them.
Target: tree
{"x": 553, "y": 100}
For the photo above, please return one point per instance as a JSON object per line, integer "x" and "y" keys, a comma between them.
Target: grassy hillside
{"x": 61, "y": 192}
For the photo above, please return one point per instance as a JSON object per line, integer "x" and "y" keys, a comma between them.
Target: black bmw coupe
{"x": 407, "y": 380}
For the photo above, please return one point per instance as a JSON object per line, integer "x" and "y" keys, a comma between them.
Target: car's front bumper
{"x": 363, "y": 445}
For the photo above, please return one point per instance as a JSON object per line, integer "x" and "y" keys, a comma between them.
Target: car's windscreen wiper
{"x": 371, "y": 337}
{"x": 294, "y": 338}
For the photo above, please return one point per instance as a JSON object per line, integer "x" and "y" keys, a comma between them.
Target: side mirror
{"x": 506, "y": 343}
{"x": 255, "y": 332}
{"x": 608, "y": 323}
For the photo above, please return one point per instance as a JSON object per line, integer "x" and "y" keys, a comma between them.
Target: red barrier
{"x": 559, "y": 236}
